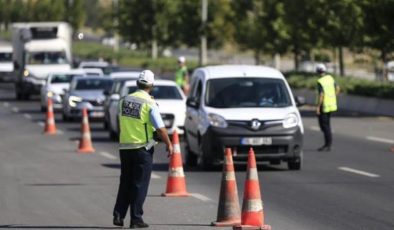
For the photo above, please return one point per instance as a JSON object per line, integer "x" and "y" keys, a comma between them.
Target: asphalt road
{"x": 45, "y": 184}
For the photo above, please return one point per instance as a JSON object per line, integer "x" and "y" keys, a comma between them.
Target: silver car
{"x": 85, "y": 92}
{"x": 55, "y": 86}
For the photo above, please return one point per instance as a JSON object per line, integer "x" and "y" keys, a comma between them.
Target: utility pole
{"x": 115, "y": 11}
{"x": 203, "y": 49}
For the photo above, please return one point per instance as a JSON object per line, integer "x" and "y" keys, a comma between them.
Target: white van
{"x": 240, "y": 106}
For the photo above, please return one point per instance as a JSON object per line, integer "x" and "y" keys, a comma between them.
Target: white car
{"x": 55, "y": 86}
{"x": 169, "y": 97}
{"x": 238, "y": 107}
{"x": 93, "y": 72}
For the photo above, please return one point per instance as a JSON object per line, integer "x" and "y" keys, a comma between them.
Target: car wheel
{"x": 105, "y": 125}
{"x": 203, "y": 162}
{"x": 191, "y": 158}
{"x": 294, "y": 163}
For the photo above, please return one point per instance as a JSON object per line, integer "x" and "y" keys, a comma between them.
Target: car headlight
{"x": 26, "y": 73}
{"x": 50, "y": 94}
{"x": 217, "y": 120}
{"x": 290, "y": 121}
{"x": 72, "y": 100}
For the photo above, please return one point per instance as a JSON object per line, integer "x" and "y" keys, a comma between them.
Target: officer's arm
{"x": 320, "y": 99}
{"x": 160, "y": 128}
{"x": 162, "y": 132}
{"x": 337, "y": 89}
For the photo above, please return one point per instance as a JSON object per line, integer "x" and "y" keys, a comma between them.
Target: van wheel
{"x": 203, "y": 162}
{"x": 191, "y": 158}
{"x": 294, "y": 164}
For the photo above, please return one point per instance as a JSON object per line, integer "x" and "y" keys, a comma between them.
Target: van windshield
{"x": 247, "y": 92}
{"x": 39, "y": 58}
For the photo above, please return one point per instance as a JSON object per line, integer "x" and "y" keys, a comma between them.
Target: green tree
{"x": 379, "y": 27}
{"x": 74, "y": 13}
{"x": 261, "y": 27}
{"x": 48, "y": 10}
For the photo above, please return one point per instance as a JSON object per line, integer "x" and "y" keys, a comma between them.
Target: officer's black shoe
{"x": 324, "y": 148}
{"x": 118, "y": 221}
{"x": 139, "y": 225}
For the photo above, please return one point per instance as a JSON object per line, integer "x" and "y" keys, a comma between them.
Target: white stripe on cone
{"x": 176, "y": 172}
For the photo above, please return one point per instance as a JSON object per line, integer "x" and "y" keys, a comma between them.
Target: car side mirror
{"x": 300, "y": 101}
{"x": 192, "y": 102}
{"x": 115, "y": 97}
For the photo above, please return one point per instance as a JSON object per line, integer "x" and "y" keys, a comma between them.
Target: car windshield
{"x": 93, "y": 84}
{"x": 63, "y": 78}
{"x": 162, "y": 92}
{"x": 34, "y": 58}
{"x": 5, "y": 57}
{"x": 247, "y": 92}
{"x": 106, "y": 69}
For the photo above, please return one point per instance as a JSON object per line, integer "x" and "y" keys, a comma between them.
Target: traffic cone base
{"x": 226, "y": 223}
{"x": 250, "y": 227}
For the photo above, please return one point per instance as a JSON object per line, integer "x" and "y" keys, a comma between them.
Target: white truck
{"x": 6, "y": 66}
{"x": 39, "y": 48}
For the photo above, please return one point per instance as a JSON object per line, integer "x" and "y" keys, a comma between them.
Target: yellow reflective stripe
{"x": 176, "y": 172}
{"x": 131, "y": 146}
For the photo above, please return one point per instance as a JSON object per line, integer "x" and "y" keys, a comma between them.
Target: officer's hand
{"x": 170, "y": 150}
{"x": 318, "y": 111}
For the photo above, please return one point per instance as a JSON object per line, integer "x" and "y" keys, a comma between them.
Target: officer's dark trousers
{"x": 325, "y": 126}
{"x": 136, "y": 168}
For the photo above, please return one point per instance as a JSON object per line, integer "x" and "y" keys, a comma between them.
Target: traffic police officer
{"x": 182, "y": 75}
{"x": 326, "y": 104}
{"x": 139, "y": 117}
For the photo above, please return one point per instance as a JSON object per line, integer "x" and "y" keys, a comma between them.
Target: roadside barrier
{"x": 85, "y": 143}
{"x": 176, "y": 182}
{"x": 252, "y": 216}
{"x": 228, "y": 210}
{"x": 50, "y": 127}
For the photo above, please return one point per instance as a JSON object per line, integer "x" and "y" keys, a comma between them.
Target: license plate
{"x": 97, "y": 114}
{"x": 256, "y": 141}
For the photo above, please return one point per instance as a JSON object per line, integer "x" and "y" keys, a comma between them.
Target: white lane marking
{"x": 108, "y": 155}
{"x": 201, "y": 197}
{"x": 358, "y": 172}
{"x": 40, "y": 123}
{"x": 155, "y": 176}
{"x": 27, "y": 116}
{"x": 15, "y": 109}
{"x": 379, "y": 139}
{"x": 6, "y": 104}
{"x": 315, "y": 128}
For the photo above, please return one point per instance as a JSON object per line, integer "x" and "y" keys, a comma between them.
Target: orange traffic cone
{"x": 50, "y": 127}
{"x": 252, "y": 216}
{"x": 176, "y": 183}
{"x": 85, "y": 143}
{"x": 228, "y": 211}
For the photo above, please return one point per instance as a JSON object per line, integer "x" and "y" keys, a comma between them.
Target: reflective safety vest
{"x": 136, "y": 129}
{"x": 330, "y": 98}
{"x": 180, "y": 76}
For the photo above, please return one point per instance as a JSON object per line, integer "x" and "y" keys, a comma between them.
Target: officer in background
{"x": 182, "y": 75}
{"x": 139, "y": 117}
{"x": 326, "y": 104}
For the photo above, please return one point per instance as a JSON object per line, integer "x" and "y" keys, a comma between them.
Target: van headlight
{"x": 290, "y": 121}
{"x": 72, "y": 100}
{"x": 217, "y": 120}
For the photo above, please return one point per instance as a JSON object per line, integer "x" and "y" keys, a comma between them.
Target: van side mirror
{"x": 300, "y": 101}
{"x": 192, "y": 102}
